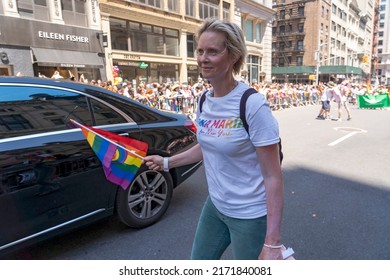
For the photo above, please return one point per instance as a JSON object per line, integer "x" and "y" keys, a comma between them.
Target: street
{"x": 337, "y": 199}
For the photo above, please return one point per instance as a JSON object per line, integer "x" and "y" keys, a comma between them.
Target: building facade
{"x": 154, "y": 41}
{"x": 147, "y": 41}
{"x": 322, "y": 40}
{"x": 352, "y": 26}
{"x": 300, "y": 34}
{"x": 382, "y": 55}
{"x": 40, "y": 37}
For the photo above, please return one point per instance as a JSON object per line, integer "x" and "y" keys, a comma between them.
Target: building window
{"x": 119, "y": 34}
{"x": 300, "y": 45}
{"x": 300, "y": 27}
{"x": 282, "y": 29}
{"x": 174, "y": 6}
{"x": 282, "y": 14}
{"x": 138, "y": 37}
{"x": 191, "y": 45}
{"x": 33, "y": 9}
{"x": 258, "y": 33}
{"x": 254, "y": 68}
{"x": 338, "y": 44}
{"x": 73, "y": 12}
{"x": 299, "y": 60}
{"x": 301, "y": 11}
{"x": 190, "y": 9}
{"x": 334, "y": 9}
{"x": 208, "y": 9}
{"x": 334, "y": 27}
{"x": 249, "y": 30}
{"x": 226, "y": 10}
{"x": 154, "y": 3}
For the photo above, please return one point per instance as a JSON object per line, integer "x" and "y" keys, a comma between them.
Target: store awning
{"x": 340, "y": 69}
{"x": 63, "y": 58}
{"x": 293, "y": 70}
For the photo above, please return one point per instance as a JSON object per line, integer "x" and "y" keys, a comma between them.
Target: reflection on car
{"x": 51, "y": 180}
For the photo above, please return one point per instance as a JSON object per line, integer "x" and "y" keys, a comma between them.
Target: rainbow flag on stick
{"x": 121, "y": 156}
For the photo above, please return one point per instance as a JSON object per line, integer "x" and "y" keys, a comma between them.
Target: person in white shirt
{"x": 245, "y": 182}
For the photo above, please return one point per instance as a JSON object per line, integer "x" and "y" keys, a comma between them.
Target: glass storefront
{"x": 148, "y": 72}
{"x": 88, "y": 74}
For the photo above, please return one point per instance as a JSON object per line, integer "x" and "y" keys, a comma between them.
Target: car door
{"x": 50, "y": 177}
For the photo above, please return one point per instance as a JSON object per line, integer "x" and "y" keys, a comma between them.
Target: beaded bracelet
{"x": 273, "y": 246}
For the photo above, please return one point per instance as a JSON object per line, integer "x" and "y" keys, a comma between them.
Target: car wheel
{"x": 146, "y": 199}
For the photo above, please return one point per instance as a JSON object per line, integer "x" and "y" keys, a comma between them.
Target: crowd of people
{"x": 184, "y": 97}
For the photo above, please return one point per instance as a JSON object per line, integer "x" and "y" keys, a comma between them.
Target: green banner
{"x": 373, "y": 101}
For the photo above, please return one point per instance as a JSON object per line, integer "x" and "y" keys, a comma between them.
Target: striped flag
{"x": 121, "y": 156}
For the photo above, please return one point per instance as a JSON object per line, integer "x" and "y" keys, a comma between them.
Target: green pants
{"x": 216, "y": 232}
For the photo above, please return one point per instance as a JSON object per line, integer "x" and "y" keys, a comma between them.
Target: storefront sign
{"x": 71, "y": 65}
{"x": 38, "y": 34}
{"x": 127, "y": 63}
{"x": 143, "y": 65}
{"x": 62, "y": 37}
{"x": 130, "y": 56}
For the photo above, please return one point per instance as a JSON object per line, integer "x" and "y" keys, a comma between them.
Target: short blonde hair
{"x": 234, "y": 39}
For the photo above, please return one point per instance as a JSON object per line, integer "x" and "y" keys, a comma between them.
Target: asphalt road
{"x": 337, "y": 199}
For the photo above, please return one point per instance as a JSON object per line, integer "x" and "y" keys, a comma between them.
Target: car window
{"x": 104, "y": 115}
{"x": 137, "y": 113}
{"x": 34, "y": 109}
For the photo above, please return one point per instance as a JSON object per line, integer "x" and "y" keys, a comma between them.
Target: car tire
{"x": 146, "y": 199}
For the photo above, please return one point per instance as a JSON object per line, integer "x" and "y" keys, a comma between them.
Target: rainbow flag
{"x": 121, "y": 156}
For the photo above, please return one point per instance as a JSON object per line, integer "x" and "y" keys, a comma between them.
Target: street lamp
{"x": 317, "y": 67}
{"x": 318, "y": 57}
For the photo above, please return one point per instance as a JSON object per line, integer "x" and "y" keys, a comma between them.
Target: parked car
{"x": 51, "y": 180}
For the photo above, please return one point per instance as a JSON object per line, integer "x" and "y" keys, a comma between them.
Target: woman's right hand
{"x": 154, "y": 162}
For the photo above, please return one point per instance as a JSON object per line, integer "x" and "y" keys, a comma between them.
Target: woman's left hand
{"x": 270, "y": 254}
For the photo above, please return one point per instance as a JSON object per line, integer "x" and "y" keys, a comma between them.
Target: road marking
{"x": 354, "y": 131}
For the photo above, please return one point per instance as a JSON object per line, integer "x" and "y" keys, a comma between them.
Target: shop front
{"x": 42, "y": 49}
{"x": 47, "y": 61}
{"x": 147, "y": 72}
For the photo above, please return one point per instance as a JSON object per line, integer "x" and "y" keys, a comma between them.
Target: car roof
{"x": 50, "y": 82}
{"x": 77, "y": 86}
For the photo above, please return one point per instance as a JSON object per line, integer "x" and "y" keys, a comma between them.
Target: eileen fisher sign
{"x": 62, "y": 37}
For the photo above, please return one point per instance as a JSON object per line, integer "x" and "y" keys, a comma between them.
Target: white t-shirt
{"x": 234, "y": 178}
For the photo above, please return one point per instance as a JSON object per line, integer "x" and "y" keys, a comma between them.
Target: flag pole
{"x": 105, "y": 138}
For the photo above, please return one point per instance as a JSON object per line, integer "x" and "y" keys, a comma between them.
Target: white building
{"x": 351, "y": 34}
{"x": 383, "y": 71}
